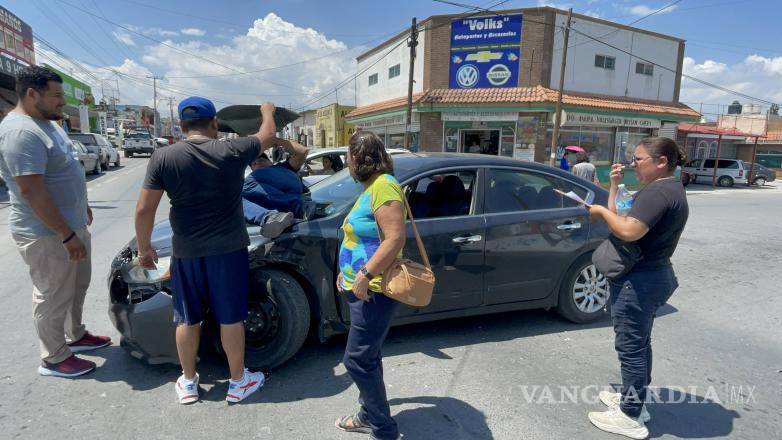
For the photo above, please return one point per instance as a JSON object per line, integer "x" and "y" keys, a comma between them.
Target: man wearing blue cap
{"x": 203, "y": 179}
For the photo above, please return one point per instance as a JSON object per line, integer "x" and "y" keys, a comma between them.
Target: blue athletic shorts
{"x": 217, "y": 284}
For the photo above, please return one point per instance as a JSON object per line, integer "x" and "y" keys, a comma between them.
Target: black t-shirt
{"x": 662, "y": 206}
{"x": 203, "y": 178}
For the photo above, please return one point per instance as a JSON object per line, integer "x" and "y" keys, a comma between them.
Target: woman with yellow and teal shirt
{"x": 374, "y": 237}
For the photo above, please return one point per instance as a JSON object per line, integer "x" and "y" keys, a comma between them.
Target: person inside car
{"x": 273, "y": 193}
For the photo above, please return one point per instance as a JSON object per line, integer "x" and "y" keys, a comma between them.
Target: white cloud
{"x": 642, "y": 10}
{"x": 592, "y": 13}
{"x": 193, "y": 32}
{"x": 152, "y": 32}
{"x": 564, "y": 6}
{"x": 756, "y": 76}
{"x": 124, "y": 37}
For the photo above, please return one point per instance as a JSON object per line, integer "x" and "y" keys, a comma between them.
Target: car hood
{"x": 162, "y": 235}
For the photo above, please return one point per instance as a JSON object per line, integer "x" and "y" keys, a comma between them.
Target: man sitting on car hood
{"x": 272, "y": 195}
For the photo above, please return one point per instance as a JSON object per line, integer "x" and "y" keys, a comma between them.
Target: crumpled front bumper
{"x": 147, "y": 326}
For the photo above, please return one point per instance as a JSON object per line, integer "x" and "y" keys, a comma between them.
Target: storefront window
{"x": 451, "y": 140}
{"x": 770, "y": 159}
{"x": 626, "y": 141}
{"x": 598, "y": 142}
{"x": 507, "y": 138}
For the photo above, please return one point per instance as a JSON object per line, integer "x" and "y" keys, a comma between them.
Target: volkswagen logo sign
{"x": 498, "y": 75}
{"x": 467, "y": 76}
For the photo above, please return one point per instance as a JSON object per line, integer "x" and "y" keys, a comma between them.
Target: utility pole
{"x": 154, "y": 103}
{"x": 558, "y": 111}
{"x": 413, "y": 43}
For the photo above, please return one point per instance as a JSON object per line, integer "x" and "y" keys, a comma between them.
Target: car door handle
{"x": 569, "y": 226}
{"x": 470, "y": 239}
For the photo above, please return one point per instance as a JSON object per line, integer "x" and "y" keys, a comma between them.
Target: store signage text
{"x": 609, "y": 121}
{"x": 485, "y": 52}
{"x": 385, "y": 122}
{"x": 480, "y": 116}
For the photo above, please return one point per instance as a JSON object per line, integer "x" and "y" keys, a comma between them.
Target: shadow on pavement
{"x": 440, "y": 418}
{"x": 312, "y": 372}
{"x": 682, "y": 415}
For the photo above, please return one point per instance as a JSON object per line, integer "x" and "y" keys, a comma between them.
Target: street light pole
{"x": 154, "y": 103}
{"x": 413, "y": 43}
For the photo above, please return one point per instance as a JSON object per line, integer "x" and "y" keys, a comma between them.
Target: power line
{"x": 354, "y": 77}
{"x": 171, "y": 46}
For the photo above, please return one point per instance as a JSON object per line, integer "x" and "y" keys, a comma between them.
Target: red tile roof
{"x": 530, "y": 95}
{"x": 710, "y": 129}
{"x": 383, "y": 105}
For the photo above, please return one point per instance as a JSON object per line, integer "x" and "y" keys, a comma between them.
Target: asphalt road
{"x": 527, "y": 375}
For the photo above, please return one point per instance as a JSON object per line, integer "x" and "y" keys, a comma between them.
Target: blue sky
{"x": 733, "y": 43}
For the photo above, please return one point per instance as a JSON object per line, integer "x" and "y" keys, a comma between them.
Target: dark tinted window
{"x": 86, "y": 139}
{"x": 512, "y": 190}
{"x": 729, "y": 164}
{"x": 442, "y": 195}
{"x": 708, "y": 163}
{"x": 694, "y": 163}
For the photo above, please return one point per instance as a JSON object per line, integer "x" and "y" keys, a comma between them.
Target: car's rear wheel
{"x": 105, "y": 165}
{"x": 116, "y": 164}
{"x": 725, "y": 181}
{"x": 277, "y": 323}
{"x": 97, "y": 169}
{"x": 583, "y": 296}
{"x": 759, "y": 181}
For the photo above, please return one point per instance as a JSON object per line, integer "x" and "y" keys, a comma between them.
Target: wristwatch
{"x": 366, "y": 273}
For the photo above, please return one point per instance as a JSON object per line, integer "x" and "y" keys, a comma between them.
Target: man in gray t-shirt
{"x": 48, "y": 219}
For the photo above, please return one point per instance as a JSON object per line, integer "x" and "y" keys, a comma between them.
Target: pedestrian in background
{"x": 584, "y": 169}
{"x": 374, "y": 238}
{"x": 563, "y": 162}
{"x": 655, "y": 223}
{"x": 48, "y": 219}
{"x": 203, "y": 178}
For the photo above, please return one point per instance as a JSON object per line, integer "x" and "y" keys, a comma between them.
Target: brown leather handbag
{"x": 409, "y": 282}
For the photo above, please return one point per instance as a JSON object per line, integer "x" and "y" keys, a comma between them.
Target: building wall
{"x": 747, "y": 123}
{"x": 331, "y": 130}
{"x": 581, "y": 75}
{"x": 431, "y": 135}
{"x": 389, "y": 88}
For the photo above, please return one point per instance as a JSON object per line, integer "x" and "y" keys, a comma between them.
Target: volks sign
{"x": 485, "y": 52}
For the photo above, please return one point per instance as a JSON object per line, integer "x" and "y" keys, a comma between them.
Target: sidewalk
{"x": 770, "y": 188}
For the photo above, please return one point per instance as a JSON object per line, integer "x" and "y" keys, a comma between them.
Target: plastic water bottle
{"x": 624, "y": 201}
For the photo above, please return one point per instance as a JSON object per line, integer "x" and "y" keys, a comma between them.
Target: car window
{"x": 693, "y": 163}
{"x": 729, "y": 164}
{"x": 442, "y": 194}
{"x": 315, "y": 166}
{"x": 515, "y": 190}
{"x": 708, "y": 163}
{"x": 337, "y": 191}
{"x": 86, "y": 139}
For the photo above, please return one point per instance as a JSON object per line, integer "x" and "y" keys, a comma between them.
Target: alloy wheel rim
{"x": 590, "y": 290}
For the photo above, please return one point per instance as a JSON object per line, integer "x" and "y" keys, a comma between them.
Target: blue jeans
{"x": 635, "y": 299}
{"x": 254, "y": 213}
{"x": 369, "y": 324}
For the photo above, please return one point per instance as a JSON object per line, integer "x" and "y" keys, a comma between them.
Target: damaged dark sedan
{"x": 498, "y": 236}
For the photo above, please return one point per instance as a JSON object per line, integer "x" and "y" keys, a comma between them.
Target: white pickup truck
{"x": 138, "y": 142}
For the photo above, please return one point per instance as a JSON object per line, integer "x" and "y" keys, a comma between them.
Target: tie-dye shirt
{"x": 362, "y": 235}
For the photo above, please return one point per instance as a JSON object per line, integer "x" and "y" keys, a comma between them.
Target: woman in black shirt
{"x": 654, "y": 223}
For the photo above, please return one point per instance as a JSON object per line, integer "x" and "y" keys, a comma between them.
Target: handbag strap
{"x": 418, "y": 241}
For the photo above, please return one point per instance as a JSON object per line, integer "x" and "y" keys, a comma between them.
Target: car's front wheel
{"x": 277, "y": 323}
{"x": 584, "y": 293}
{"x": 725, "y": 181}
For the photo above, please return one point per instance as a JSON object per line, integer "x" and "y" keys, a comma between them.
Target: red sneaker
{"x": 70, "y": 367}
{"x": 89, "y": 342}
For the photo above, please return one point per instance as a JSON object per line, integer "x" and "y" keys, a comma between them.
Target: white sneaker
{"x": 613, "y": 399}
{"x": 187, "y": 390}
{"x": 617, "y": 422}
{"x": 239, "y": 390}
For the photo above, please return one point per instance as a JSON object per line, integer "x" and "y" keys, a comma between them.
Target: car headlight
{"x": 135, "y": 274}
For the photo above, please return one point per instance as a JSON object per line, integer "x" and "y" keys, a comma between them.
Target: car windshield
{"x": 85, "y": 139}
{"x": 340, "y": 190}
{"x": 337, "y": 191}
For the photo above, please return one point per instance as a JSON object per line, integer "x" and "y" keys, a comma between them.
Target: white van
{"x": 729, "y": 171}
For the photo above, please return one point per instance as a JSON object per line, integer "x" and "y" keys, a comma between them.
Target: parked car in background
{"x": 89, "y": 161}
{"x": 97, "y": 144}
{"x": 138, "y": 141}
{"x": 760, "y": 174}
{"x": 161, "y": 142}
{"x": 498, "y": 236}
{"x": 313, "y": 170}
{"x": 729, "y": 171}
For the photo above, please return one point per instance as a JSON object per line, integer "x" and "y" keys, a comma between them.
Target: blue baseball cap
{"x": 196, "y": 107}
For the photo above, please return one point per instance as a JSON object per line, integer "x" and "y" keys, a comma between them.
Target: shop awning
{"x": 714, "y": 132}
{"x": 522, "y": 98}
